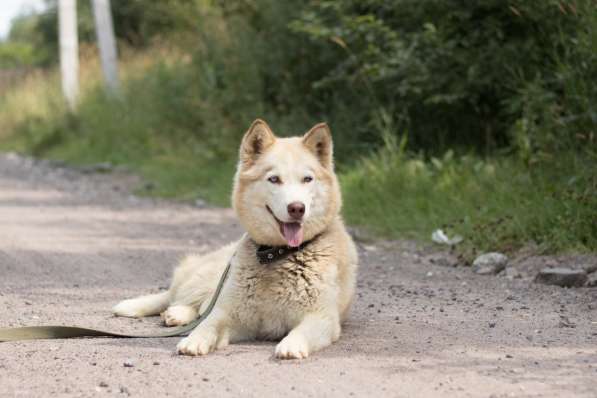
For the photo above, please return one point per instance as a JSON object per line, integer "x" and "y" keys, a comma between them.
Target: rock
{"x": 512, "y": 273}
{"x": 564, "y": 277}
{"x": 128, "y": 364}
{"x": 592, "y": 280}
{"x": 565, "y": 322}
{"x": 360, "y": 235}
{"x": 490, "y": 263}
{"x": 590, "y": 268}
{"x": 104, "y": 167}
{"x": 442, "y": 259}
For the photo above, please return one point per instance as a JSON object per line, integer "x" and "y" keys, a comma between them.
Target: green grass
{"x": 498, "y": 204}
{"x": 158, "y": 128}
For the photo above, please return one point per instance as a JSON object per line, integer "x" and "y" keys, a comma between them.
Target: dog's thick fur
{"x": 300, "y": 299}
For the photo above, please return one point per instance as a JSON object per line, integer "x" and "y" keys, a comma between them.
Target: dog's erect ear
{"x": 319, "y": 141}
{"x": 257, "y": 139}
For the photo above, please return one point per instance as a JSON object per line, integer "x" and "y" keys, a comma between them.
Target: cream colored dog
{"x": 287, "y": 198}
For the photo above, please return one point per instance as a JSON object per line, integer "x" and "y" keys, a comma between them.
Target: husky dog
{"x": 292, "y": 274}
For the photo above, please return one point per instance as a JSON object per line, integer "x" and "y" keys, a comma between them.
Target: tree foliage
{"x": 466, "y": 73}
{"x": 484, "y": 75}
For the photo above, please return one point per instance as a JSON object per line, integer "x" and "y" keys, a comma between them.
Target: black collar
{"x": 271, "y": 254}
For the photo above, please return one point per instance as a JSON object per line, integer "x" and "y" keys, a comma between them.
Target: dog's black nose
{"x": 296, "y": 210}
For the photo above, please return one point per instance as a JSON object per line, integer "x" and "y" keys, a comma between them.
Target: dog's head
{"x": 285, "y": 189}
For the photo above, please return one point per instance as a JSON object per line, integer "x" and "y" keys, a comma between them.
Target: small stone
{"x": 205, "y": 379}
{"x": 124, "y": 390}
{"x": 442, "y": 259}
{"x": 592, "y": 280}
{"x": 104, "y": 167}
{"x": 565, "y": 322}
{"x": 590, "y": 268}
{"x": 156, "y": 363}
{"x": 512, "y": 273}
{"x": 490, "y": 263}
{"x": 103, "y": 384}
{"x": 128, "y": 364}
{"x": 563, "y": 277}
{"x": 492, "y": 325}
{"x": 509, "y": 356}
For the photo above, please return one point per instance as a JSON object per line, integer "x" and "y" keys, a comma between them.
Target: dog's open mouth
{"x": 291, "y": 231}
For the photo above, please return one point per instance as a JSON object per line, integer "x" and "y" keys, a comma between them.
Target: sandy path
{"x": 72, "y": 245}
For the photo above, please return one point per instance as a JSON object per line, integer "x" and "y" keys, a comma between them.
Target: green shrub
{"x": 456, "y": 73}
{"x": 494, "y": 205}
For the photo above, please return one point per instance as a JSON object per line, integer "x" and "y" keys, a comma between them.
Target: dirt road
{"x": 73, "y": 244}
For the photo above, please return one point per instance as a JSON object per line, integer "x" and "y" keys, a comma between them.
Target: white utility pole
{"x": 69, "y": 50}
{"x": 104, "y": 30}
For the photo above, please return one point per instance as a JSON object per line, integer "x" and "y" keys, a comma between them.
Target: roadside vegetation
{"x": 477, "y": 118}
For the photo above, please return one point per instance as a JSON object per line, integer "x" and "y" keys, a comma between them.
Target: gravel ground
{"x": 73, "y": 243}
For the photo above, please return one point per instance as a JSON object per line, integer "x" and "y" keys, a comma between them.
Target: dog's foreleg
{"x": 314, "y": 332}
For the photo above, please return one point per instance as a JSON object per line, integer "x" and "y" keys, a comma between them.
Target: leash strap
{"x": 68, "y": 332}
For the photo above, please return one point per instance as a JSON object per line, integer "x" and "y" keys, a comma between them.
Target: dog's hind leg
{"x": 152, "y": 304}
{"x": 193, "y": 284}
{"x": 178, "y": 315}
{"x": 188, "y": 301}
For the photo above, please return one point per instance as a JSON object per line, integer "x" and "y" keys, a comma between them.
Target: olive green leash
{"x": 68, "y": 332}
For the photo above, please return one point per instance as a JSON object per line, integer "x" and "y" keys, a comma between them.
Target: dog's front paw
{"x": 292, "y": 347}
{"x": 200, "y": 342}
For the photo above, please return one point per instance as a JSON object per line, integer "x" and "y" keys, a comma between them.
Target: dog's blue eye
{"x": 308, "y": 179}
{"x": 274, "y": 179}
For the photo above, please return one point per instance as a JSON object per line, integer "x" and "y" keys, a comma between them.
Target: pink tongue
{"x": 293, "y": 233}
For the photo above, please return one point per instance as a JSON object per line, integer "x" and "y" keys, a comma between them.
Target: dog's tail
{"x": 149, "y": 305}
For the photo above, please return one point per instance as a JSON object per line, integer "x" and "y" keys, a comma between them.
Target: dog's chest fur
{"x": 272, "y": 298}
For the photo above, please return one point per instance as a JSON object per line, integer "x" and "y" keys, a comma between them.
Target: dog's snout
{"x": 296, "y": 210}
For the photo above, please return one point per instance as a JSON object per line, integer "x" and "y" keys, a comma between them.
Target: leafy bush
{"x": 459, "y": 73}
{"x": 495, "y": 205}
